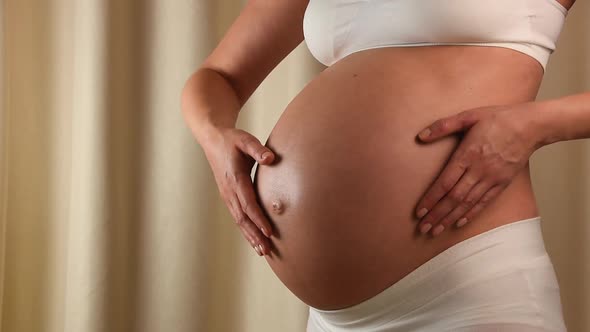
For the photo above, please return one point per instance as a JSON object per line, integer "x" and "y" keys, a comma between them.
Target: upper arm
{"x": 264, "y": 33}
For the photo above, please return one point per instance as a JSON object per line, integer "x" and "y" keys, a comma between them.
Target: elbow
{"x": 187, "y": 91}
{"x": 191, "y": 90}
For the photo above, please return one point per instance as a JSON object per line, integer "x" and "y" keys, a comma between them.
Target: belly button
{"x": 277, "y": 206}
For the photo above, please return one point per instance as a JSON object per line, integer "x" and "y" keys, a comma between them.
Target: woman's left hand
{"x": 497, "y": 145}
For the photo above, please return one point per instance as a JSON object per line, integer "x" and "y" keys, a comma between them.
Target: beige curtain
{"x": 109, "y": 214}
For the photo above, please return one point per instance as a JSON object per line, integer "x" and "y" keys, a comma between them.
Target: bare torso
{"x": 349, "y": 171}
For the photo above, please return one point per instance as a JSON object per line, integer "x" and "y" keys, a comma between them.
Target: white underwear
{"x": 499, "y": 280}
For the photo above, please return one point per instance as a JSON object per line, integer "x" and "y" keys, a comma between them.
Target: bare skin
{"x": 348, "y": 171}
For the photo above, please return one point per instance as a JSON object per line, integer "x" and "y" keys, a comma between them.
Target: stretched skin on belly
{"x": 349, "y": 171}
{"x": 340, "y": 196}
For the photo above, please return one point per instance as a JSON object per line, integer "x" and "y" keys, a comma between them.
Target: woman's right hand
{"x": 232, "y": 154}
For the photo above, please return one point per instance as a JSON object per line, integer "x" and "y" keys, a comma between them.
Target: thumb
{"x": 267, "y": 156}
{"x": 249, "y": 144}
{"x": 448, "y": 125}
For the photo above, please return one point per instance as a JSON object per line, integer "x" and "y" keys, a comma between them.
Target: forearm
{"x": 562, "y": 119}
{"x": 208, "y": 104}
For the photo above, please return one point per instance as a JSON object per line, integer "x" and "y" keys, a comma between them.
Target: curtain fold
{"x": 110, "y": 218}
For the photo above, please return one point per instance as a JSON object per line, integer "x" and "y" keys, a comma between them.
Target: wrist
{"x": 203, "y": 130}
{"x": 208, "y": 106}
{"x": 543, "y": 121}
{"x": 208, "y": 135}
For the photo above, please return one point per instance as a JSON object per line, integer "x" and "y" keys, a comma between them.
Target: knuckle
{"x": 256, "y": 234}
{"x": 483, "y": 201}
{"x": 462, "y": 162}
{"x": 238, "y": 134}
{"x": 455, "y": 196}
{"x": 430, "y": 218}
{"x": 468, "y": 216}
{"x": 437, "y": 125}
{"x": 469, "y": 200}
{"x": 258, "y": 238}
{"x": 230, "y": 206}
{"x": 231, "y": 177}
{"x": 446, "y": 185}
{"x": 230, "y": 194}
{"x": 247, "y": 139}
{"x": 465, "y": 205}
{"x": 444, "y": 124}
{"x": 246, "y": 235}
{"x": 241, "y": 219}
{"x": 474, "y": 211}
{"x": 246, "y": 206}
{"x": 446, "y": 221}
{"x": 487, "y": 197}
{"x": 259, "y": 218}
{"x": 463, "y": 117}
{"x": 227, "y": 199}
{"x": 222, "y": 192}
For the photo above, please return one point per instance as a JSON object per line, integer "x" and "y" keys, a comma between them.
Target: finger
{"x": 475, "y": 194}
{"x": 259, "y": 243}
{"x": 249, "y": 144}
{"x": 250, "y": 232}
{"x": 486, "y": 199}
{"x": 443, "y": 184}
{"x": 445, "y": 126}
{"x": 235, "y": 212}
{"x": 450, "y": 201}
{"x": 250, "y": 204}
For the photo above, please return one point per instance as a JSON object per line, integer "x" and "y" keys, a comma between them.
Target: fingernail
{"x": 438, "y": 229}
{"x": 266, "y": 154}
{"x": 261, "y": 250}
{"x": 424, "y": 133}
{"x": 257, "y": 250}
{"x": 461, "y": 222}
{"x": 265, "y": 232}
{"x": 425, "y": 228}
{"x": 422, "y": 212}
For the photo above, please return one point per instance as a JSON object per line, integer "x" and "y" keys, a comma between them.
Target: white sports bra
{"x": 334, "y": 29}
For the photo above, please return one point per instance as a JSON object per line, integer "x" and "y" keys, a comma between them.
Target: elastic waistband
{"x": 490, "y": 253}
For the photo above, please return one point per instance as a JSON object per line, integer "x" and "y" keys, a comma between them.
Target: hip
{"x": 501, "y": 277}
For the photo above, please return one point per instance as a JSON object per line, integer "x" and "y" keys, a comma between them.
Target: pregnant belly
{"x": 349, "y": 173}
